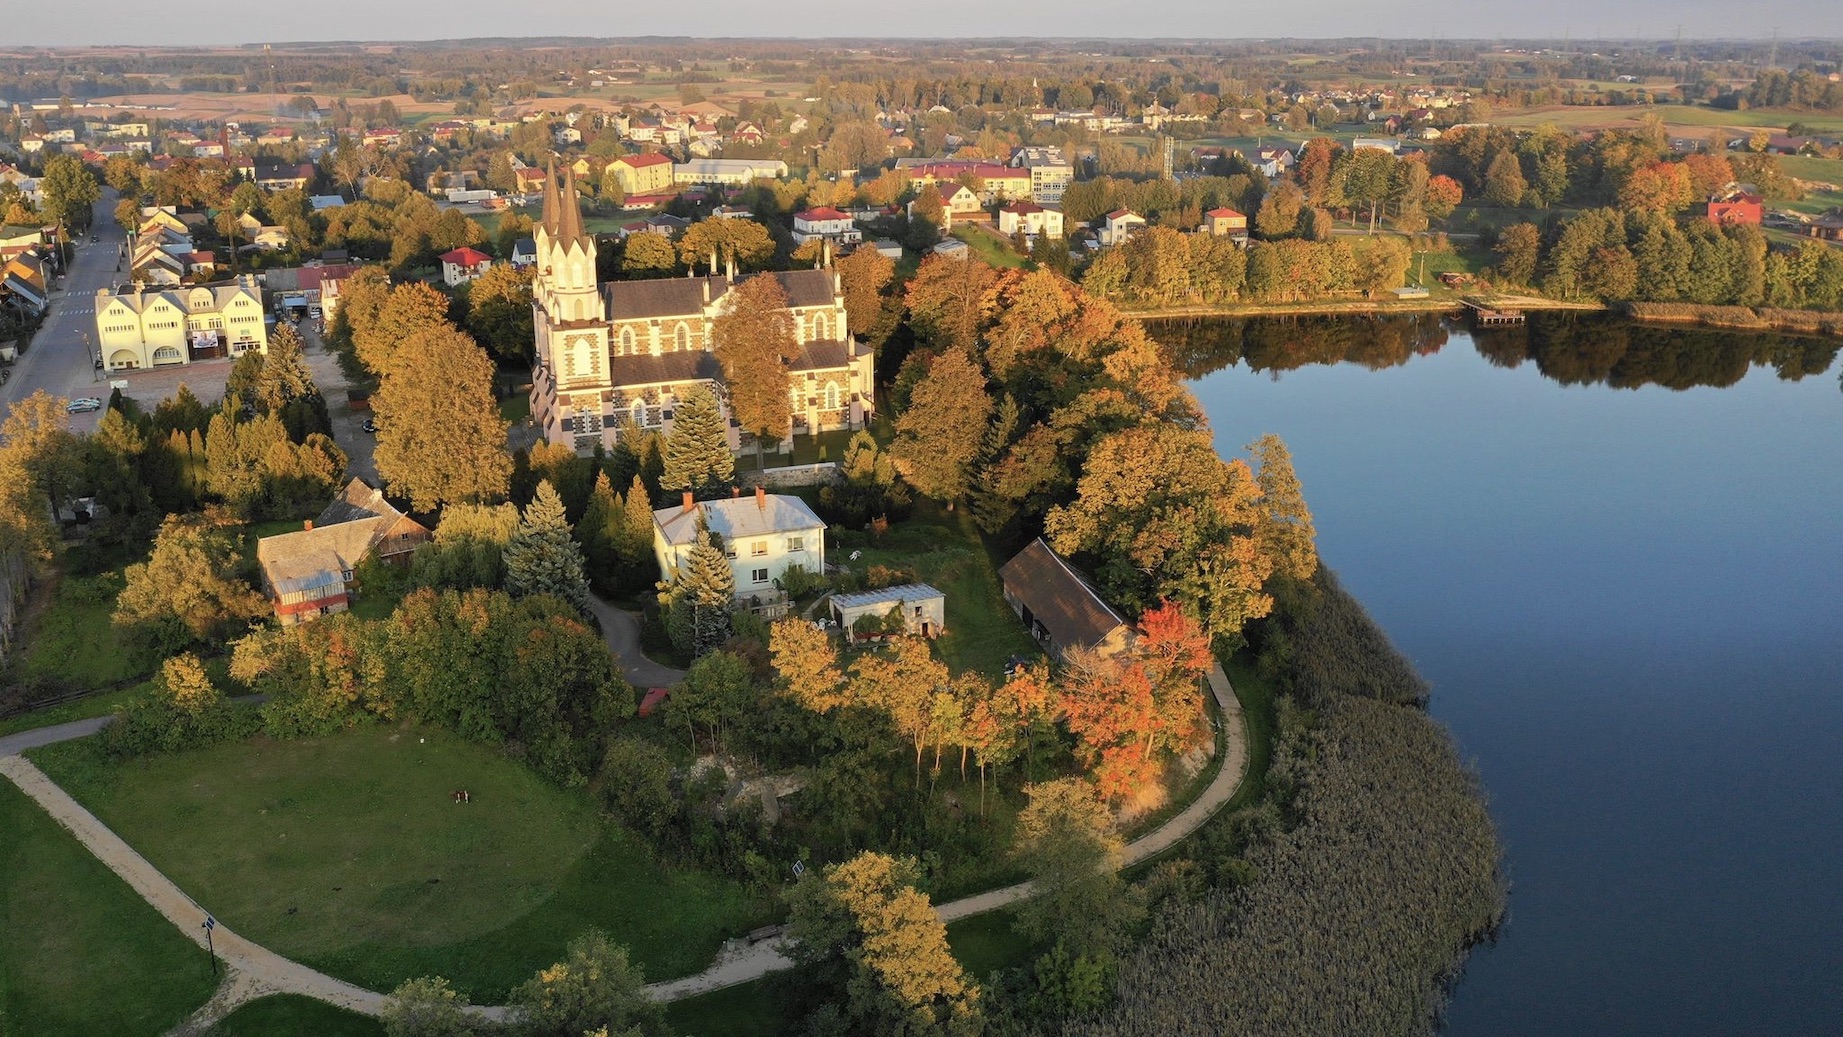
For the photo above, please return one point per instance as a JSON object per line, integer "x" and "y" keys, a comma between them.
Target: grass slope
{"x": 80, "y": 953}
{"x": 290, "y": 1015}
{"x": 348, "y": 854}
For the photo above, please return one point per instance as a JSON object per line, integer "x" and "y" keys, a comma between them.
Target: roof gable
{"x": 1058, "y": 597}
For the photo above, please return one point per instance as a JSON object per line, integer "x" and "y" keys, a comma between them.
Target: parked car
{"x": 83, "y": 406}
{"x": 371, "y": 426}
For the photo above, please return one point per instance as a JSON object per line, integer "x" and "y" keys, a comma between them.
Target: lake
{"x": 1617, "y": 553}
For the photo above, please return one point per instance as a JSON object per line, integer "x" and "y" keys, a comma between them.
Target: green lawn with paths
{"x": 291, "y": 1015}
{"x": 80, "y": 953}
{"x": 348, "y": 854}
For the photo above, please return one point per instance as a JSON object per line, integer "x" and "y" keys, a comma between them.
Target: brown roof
{"x": 1057, "y": 596}
{"x": 340, "y": 538}
{"x": 357, "y": 501}
{"x": 664, "y": 369}
{"x": 684, "y": 296}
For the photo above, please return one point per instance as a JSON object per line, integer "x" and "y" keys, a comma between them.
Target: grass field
{"x": 348, "y": 854}
{"x": 290, "y": 1015}
{"x": 946, "y": 552}
{"x": 989, "y": 247}
{"x": 83, "y": 709}
{"x": 73, "y": 639}
{"x": 80, "y": 953}
{"x": 746, "y": 1010}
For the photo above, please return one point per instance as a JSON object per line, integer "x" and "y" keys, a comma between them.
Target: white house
{"x": 735, "y": 171}
{"x": 463, "y": 265}
{"x": 138, "y": 328}
{"x": 1119, "y": 225}
{"x": 763, "y": 536}
{"x": 825, "y": 222}
{"x": 1031, "y": 218}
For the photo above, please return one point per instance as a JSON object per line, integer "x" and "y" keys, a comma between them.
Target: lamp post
{"x": 211, "y": 923}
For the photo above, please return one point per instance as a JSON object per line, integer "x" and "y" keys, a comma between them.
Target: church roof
{"x": 684, "y": 296}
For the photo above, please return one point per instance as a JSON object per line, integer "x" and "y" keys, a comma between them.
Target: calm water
{"x": 1630, "y": 603}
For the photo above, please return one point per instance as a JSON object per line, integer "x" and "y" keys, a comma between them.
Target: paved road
{"x": 621, "y": 629}
{"x": 254, "y": 971}
{"x": 59, "y": 360}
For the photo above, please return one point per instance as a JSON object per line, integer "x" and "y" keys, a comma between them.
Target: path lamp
{"x": 211, "y": 923}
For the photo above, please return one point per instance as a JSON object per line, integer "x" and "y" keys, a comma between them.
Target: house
{"x": 264, "y": 238}
{"x": 524, "y": 254}
{"x": 1119, "y": 225}
{"x": 1737, "y": 203}
{"x": 1031, "y": 219}
{"x": 953, "y": 248}
{"x": 631, "y": 349}
{"x": 463, "y": 264}
{"x": 997, "y": 182}
{"x": 921, "y": 608}
{"x": 138, "y": 328}
{"x": 644, "y": 174}
{"x": 1828, "y": 227}
{"x": 276, "y": 175}
{"x": 18, "y": 239}
{"x": 763, "y": 536}
{"x": 957, "y": 199}
{"x": 312, "y": 572}
{"x": 825, "y": 223}
{"x": 1226, "y": 222}
{"x": 23, "y": 285}
{"x": 1058, "y": 606}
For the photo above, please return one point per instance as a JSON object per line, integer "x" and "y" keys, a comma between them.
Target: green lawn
{"x": 73, "y": 639}
{"x": 983, "y": 944}
{"x": 80, "y": 953}
{"x": 945, "y": 551}
{"x": 516, "y": 408}
{"x": 989, "y": 246}
{"x": 291, "y": 1015}
{"x": 348, "y": 854}
{"x": 746, "y": 1010}
{"x": 100, "y": 705}
{"x": 825, "y": 446}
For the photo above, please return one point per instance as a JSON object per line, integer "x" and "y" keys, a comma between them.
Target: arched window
{"x": 638, "y": 411}
{"x": 627, "y": 341}
{"x": 681, "y": 338}
{"x": 822, "y": 328}
{"x": 166, "y": 355}
{"x": 831, "y": 396}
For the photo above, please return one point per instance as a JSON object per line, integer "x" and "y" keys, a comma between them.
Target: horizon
{"x": 79, "y": 23}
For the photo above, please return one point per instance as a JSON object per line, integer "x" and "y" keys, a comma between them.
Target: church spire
{"x": 569, "y": 227}
{"x": 550, "y": 198}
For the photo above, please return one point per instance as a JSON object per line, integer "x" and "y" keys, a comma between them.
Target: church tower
{"x": 569, "y": 384}
{"x": 565, "y": 286}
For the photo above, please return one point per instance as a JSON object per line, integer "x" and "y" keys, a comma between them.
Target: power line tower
{"x": 1772, "y": 56}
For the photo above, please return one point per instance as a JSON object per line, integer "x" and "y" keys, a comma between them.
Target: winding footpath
{"x": 253, "y": 971}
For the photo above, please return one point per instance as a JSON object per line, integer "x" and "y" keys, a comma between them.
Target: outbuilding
{"x": 921, "y": 608}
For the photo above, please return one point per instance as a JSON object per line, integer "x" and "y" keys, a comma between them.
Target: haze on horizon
{"x": 127, "y": 23}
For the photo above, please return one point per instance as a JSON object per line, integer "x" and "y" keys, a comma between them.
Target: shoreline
{"x": 1357, "y": 307}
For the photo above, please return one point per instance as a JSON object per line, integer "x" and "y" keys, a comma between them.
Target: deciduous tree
{"x": 440, "y": 436}
{"x": 755, "y": 342}
{"x": 188, "y": 590}
{"x": 594, "y": 987}
{"x": 938, "y": 437}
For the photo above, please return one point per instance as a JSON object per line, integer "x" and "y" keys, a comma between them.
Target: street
{"x": 60, "y": 359}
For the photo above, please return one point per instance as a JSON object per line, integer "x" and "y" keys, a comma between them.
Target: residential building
{"x": 24, "y": 287}
{"x": 1050, "y": 173}
{"x": 1737, "y": 203}
{"x": 631, "y": 349}
{"x": 1119, "y": 225}
{"x": 923, "y": 609}
{"x": 1226, "y": 222}
{"x": 138, "y": 327}
{"x": 18, "y": 239}
{"x": 524, "y": 253}
{"x": 734, "y": 171}
{"x": 300, "y": 289}
{"x": 763, "y": 536}
{"x": 957, "y": 199}
{"x": 1030, "y": 218}
{"x": 463, "y": 264}
{"x": 1058, "y": 605}
{"x": 1000, "y": 182}
{"x": 825, "y": 223}
{"x": 644, "y": 174}
{"x": 275, "y": 175}
{"x": 313, "y": 571}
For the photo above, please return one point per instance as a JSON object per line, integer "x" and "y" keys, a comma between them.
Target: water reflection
{"x": 1569, "y": 348}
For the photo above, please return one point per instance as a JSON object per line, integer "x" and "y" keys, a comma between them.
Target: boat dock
{"x": 1488, "y": 317}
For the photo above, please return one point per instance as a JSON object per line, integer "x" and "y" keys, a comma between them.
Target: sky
{"x": 129, "y": 22}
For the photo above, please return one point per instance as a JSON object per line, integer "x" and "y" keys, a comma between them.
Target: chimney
{"x": 713, "y": 262}
{"x": 307, "y": 524}
{"x": 707, "y": 291}
{"x": 761, "y": 498}
{"x": 729, "y": 267}
{"x": 735, "y": 491}
{"x": 689, "y": 503}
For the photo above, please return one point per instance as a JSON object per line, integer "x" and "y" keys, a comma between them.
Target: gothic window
{"x": 681, "y": 338}
{"x": 638, "y": 412}
{"x": 831, "y": 396}
{"x": 822, "y": 328}
{"x": 627, "y": 341}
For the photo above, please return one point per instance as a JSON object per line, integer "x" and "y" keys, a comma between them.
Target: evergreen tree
{"x": 697, "y": 457}
{"x": 634, "y": 548}
{"x": 541, "y": 557}
{"x": 699, "y": 597}
{"x": 601, "y": 531}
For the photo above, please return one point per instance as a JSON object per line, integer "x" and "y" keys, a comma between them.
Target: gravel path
{"x": 254, "y": 971}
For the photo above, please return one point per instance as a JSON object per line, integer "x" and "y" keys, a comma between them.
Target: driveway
{"x": 621, "y": 629}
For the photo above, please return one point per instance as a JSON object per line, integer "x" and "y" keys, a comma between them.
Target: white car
{"x": 83, "y": 406}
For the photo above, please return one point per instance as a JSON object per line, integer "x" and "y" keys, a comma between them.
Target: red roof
{"x": 1121, "y": 213}
{"x": 465, "y": 256}
{"x": 1225, "y": 214}
{"x": 820, "y": 215}
{"x": 637, "y": 161}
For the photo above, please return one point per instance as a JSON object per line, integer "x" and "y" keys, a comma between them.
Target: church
{"x": 631, "y": 349}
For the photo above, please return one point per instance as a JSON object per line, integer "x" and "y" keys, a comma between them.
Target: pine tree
{"x": 601, "y": 532}
{"x": 697, "y": 457}
{"x": 634, "y": 548}
{"x": 699, "y": 597}
{"x": 541, "y": 557}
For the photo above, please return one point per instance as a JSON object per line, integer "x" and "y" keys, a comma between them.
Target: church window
{"x": 681, "y": 337}
{"x": 627, "y": 341}
{"x": 822, "y": 328}
{"x": 831, "y": 396}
